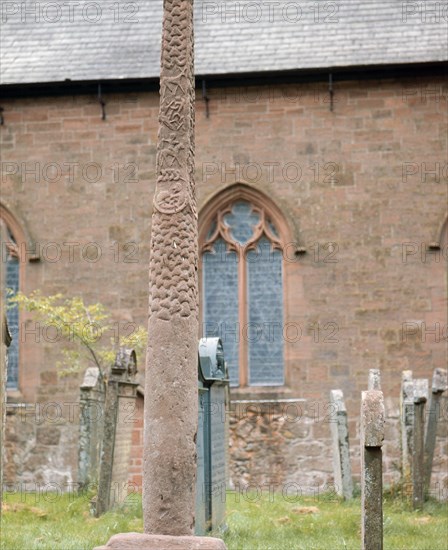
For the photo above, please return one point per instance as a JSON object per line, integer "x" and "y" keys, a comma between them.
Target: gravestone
{"x": 214, "y": 378}
{"x": 418, "y": 471}
{"x": 120, "y": 405}
{"x": 374, "y": 379}
{"x": 406, "y": 424}
{"x": 341, "y": 448}
{"x": 91, "y": 423}
{"x": 202, "y": 512}
{"x": 5, "y": 341}
{"x": 372, "y": 436}
{"x": 439, "y": 385}
{"x": 171, "y": 385}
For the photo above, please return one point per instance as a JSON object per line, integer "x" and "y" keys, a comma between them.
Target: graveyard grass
{"x": 253, "y": 524}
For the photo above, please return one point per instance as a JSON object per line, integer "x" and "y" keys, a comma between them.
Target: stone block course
{"x": 370, "y": 292}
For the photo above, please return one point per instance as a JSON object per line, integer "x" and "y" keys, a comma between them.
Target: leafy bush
{"x": 81, "y": 328}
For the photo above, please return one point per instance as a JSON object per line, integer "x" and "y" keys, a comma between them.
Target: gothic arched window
{"x": 242, "y": 290}
{"x": 10, "y": 257}
{"x": 17, "y": 249}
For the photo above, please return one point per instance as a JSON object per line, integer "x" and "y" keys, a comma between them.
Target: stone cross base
{"x": 141, "y": 541}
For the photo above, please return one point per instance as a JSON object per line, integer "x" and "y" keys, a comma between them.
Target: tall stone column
{"x": 171, "y": 385}
{"x": 171, "y": 388}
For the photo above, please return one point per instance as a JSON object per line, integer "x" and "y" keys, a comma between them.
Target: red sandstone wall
{"x": 351, "y": 191}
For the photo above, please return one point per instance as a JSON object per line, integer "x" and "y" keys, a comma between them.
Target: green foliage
{"x": 80, "y": 328}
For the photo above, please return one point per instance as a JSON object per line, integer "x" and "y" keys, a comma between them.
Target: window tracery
{"x": 242, "y": 270}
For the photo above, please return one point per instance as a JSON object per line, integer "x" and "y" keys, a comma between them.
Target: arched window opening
{"x": 11, "y": 271}
{"x": 242, "y": 290}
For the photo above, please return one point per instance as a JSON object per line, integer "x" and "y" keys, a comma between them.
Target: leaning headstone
{"x": 341, "y": 448}
{"x": 372, "y": 436}
{"x": 171, "y": 385}
{"x": 439, "y": 385}
{"x": 121, "y": 393}
{"x": 91, "y": 423}
{"x": 5, "y": 341}
{"x": 374, "y": 379}
{"x": 407, "y": 424}
{"x": 418, "y": 471}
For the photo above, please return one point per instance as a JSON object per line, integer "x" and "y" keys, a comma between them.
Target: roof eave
{"x": 129, "y": 85}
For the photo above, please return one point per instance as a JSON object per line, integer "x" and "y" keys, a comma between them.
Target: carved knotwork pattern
{"x": 173, "y": 261}
{"x": 173, "y": 266}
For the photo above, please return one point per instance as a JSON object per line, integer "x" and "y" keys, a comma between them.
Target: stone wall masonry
{"x": 271, "y": 447}
{"x": 42, "y": 437}
{"x": 369, "y": 207}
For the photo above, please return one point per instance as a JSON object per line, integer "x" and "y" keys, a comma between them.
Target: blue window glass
{"x": 242, "y": 221}
{"x": 12, "y": 314}
{"x": 261, "y": 341}
{"x": 265, "y": 315}
{"x": 220, "y": 313}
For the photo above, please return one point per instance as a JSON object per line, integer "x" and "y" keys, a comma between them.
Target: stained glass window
{"x": 242, "y": 276}
{"x": 12, "y": 313}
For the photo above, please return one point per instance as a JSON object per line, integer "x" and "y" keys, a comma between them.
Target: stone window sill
{"x": 263, "y": 394}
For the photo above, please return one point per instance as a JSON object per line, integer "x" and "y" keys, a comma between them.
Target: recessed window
{"x": 242, "y": 282}
{"x": 11, "y": 258}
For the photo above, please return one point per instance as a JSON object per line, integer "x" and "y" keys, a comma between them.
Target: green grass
{"x": 64, "y": 524}
{"x": 265, "y": 524}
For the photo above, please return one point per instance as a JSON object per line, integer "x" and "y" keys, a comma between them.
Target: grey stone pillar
{"x": 5, "y": 341}
{"x": 406, "y": 424}
{"x": 372, "y": 436}
{"x": 418, "y": 471}
{"x": 121, "y": 393}
{"x": 91, "y": 422}
{"x": 171, "y": 382}
{"x": 341, "y": 447}
{"x": 171, "y": 385}
{"x": 439, "y": 385}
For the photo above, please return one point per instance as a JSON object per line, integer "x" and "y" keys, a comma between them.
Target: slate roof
{"x": 261, "y": 36}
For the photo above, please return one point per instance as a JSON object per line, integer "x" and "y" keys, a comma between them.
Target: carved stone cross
{"x": 171, "y": 382}
{"x": 171, "y": 387}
